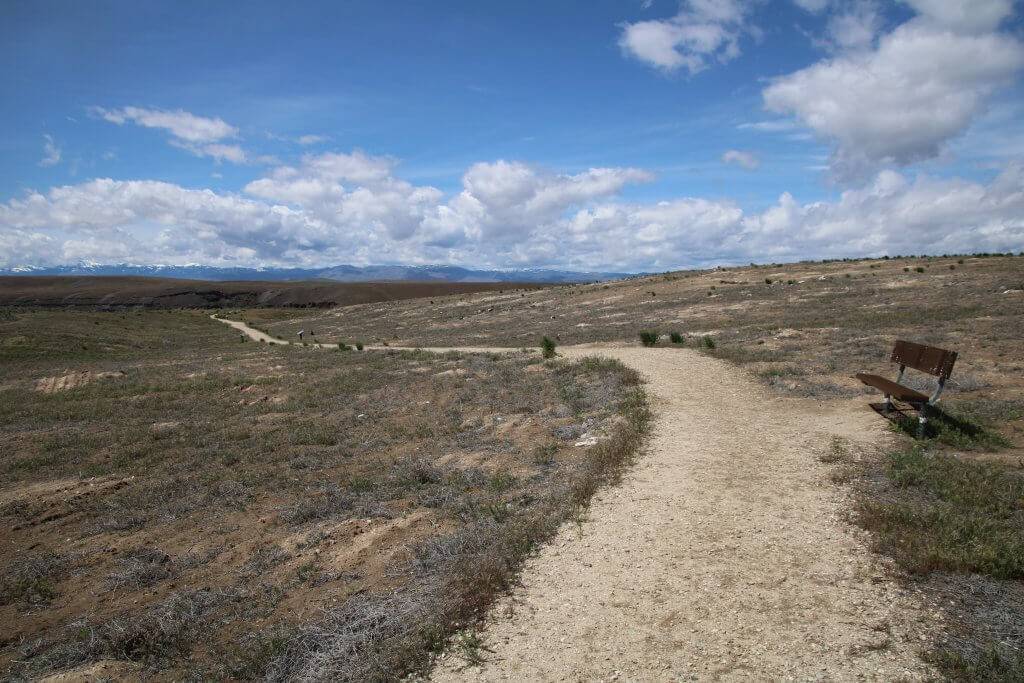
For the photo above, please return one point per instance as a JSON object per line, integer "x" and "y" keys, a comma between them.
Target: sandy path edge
{"x": 724, "y": 554}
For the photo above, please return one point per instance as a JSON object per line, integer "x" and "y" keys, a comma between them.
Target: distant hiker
{"x": 300, "y": 334}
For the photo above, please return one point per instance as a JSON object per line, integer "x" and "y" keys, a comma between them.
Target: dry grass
{"x": 200, "y": 513}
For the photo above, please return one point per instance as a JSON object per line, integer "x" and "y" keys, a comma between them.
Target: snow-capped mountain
{"x": 340, "y": 273}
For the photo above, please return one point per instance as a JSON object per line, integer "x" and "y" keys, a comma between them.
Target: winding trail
{"x": 724, "y": 554}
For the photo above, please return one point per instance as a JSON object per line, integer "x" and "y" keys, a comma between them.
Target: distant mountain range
{"x": 342, "y": 273}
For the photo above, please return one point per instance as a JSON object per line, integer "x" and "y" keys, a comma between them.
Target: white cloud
{"x": 742, "y": 159}
{"x": 964, "y": 16}
{"x": 179, "y": 123}
{"x": 902, "y": 101}
{"x": 772, "y": 126}
{"x": 306, "y": 140}
{"x": 505, "y": 200}
{"x": 507, "y": 214}
{"x": 198, "y": 135}
{"x": 703, "y": 30}
{"x": 855, "y": 28}
{"x": 51, "y": 152}
{"x": 217, "y": 151}
{"x": 813, "y": 6}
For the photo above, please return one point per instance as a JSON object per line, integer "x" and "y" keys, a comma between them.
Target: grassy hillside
{"x": 804, "y": 328}
{"x": 176, "y": 500}
{"x": 949, "y": 511}
{"x": 110, "y": 291}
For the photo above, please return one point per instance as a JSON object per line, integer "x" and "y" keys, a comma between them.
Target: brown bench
{"x": 930, "y": 359}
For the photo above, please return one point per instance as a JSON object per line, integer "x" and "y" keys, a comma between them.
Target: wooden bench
{"x": 930, "y": 359}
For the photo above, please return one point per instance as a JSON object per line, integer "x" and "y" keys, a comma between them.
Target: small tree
{"x": 547, "y": 347}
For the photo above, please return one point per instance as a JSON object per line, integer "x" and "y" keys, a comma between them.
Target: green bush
{"x": 707, "y": 342}
{"x": 919, "y": 269}
{"x": 649, "y": 338}
{"x": 547, "y": 347}
{"x": 675, "y": 338}
{"x": 359, "y": 346}
{"x": 767, "y": 280}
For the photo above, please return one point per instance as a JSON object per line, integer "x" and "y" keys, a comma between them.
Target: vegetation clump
{"x": 957, "y": 515}
{"x": 649, "y": 337}
{"x": 547, "y": 347}
{"x": 675, "y": 338}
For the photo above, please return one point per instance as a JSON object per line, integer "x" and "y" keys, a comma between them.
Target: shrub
{"x": 359, "y": 346}
{"x": 547, "y": 347}
{"x": 707, "y": 342}
{"x": 767, "y": 280}
{"x": 960, "y": 261}
{"x": 919, "y": 269}
{"x": 675, "y": 338}
{"x": 342, "y": 346}
{"x": 954, "y": 515}
{"x": 648, "y": 338}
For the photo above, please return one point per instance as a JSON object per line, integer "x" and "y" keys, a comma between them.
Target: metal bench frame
{"x": 929, "y": 359}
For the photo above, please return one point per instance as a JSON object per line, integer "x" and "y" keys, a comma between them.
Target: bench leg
{"x": 922, "y": 422}
{"x": 888, "y": 404}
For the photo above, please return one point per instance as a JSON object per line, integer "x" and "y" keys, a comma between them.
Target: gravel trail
{"x": 724, "y": 554}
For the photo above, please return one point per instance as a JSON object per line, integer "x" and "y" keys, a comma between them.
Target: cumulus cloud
{"x": 503, "y": 201}
{"x": 306, "y": 140}
{"x": 702, "y": 31}
{"x": 746, "y": 160}
{"x": 964, "y": 16}
{"x": 356, "y": 190}
{"x": 51, "y": 152}
{"x": 507, "y": 213}
{"x": 890, "y": 215}
{"x": 902, "y": 101}
{"x": 855, "y": 28}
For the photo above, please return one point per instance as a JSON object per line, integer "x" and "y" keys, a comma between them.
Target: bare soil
{"x": 200, "y": 503}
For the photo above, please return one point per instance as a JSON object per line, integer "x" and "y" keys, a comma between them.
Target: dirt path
{"x": 723, "y": 554}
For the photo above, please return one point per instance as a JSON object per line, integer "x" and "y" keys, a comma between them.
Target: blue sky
{"x": 590, "y": 134}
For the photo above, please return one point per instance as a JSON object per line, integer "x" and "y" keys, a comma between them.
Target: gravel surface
{"x": 724, "y": 554}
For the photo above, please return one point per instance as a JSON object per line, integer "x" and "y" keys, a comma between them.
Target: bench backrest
{"x": 930, "y": 359}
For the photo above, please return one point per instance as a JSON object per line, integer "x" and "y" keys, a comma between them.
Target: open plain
{"x": 265, "y": 507}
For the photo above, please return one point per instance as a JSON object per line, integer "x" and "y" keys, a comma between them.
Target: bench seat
{"x": 897, "y": 391}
